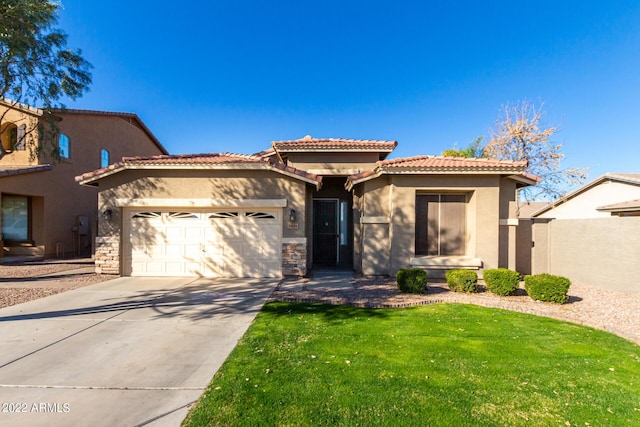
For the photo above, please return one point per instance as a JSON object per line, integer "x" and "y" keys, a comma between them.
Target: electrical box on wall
{"x": 82, "y": 222}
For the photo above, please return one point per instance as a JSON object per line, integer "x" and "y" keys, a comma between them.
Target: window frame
{"x": 456, "y": 213}
{"x": 29, "y": 239}
{"x": 104, "y": 161}
{"x": 64, "y": 137}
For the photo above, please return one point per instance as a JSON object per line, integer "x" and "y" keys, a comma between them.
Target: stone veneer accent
{"x": 107, "y": 255}
{"x": 294, "y": 256}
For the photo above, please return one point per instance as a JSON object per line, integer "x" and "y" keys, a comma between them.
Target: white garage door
{"x": 221, "y": 243}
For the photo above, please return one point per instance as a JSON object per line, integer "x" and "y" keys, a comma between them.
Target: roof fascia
{"x": 21, "y": 107}
{"x": 351, "y": 183}
{"x": 335, "y": 150}
{"x": 523, "y": 180}
{"x": 119, "y": 167}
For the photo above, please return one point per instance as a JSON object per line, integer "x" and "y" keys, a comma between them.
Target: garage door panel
{"x": 173, "y": 268}
{"x": 193, "y": 233}
{"x": 173, "y": 251}
{"x": 154, "y": 267}
{"x": 171, "y": 234}
{"x": 233, "y": 269}
{"x": 192, "y": 251}
{"x": 232, "y": 243}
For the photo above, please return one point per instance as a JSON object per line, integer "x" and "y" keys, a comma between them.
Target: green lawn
{"x": 434, "y": 365}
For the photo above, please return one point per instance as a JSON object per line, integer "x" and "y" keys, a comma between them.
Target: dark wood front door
{"x": 325, "y": 232}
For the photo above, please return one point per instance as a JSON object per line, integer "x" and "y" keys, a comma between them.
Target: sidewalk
{"x": 321, "y": 281}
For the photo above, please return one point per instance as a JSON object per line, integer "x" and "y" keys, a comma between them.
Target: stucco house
{"x": 302, "y": 204}
{"x": 44, "y": 211}
{"x": 616, "y": 193}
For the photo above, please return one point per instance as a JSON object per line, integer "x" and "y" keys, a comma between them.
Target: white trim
{"x": 509, "y": 221}
{"x": 202, "y": 203}
{"x": 294, "y": 240}
{"x": 374, "y": 220}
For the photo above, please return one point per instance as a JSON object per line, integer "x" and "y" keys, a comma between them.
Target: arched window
{"x": 64, "y": 146}
{"x": 104, "y": 158}
{"x": 8, "y": 135}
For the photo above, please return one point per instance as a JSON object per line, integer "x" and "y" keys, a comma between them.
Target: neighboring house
{"x": 303, "y": 204}
{"x": 44, "y": 211}
{"x": 584, "y": 202}
{"x": 591, "y": 236}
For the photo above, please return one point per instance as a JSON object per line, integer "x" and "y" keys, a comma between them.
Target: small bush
{"x": 547, "y": 287}
{"x": 462, "y": 280}
{"x": 501, "y": 281}
{"x": 412, "y": 280}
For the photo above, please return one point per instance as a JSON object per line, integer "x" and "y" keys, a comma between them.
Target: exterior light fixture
{"x": 292, "y": 215}
{"x": 106, "y": 215}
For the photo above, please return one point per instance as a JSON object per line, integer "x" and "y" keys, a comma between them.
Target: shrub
{"x": 412, "y": 280}
{"x": 501, "y": 281}
{"x": 462, "y": 280}
{"x": 547, "y": 287}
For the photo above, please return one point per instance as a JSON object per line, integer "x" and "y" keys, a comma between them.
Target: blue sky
{"x": 210, "y": 76}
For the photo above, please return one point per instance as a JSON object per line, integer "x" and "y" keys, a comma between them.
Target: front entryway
{"x": 325, "y": 232}
{"x": 332, "y": 225}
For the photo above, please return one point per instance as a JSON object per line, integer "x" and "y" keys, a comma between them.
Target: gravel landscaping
{"x": 22, "y": 282}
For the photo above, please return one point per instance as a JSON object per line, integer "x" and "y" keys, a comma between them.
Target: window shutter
{"x": 21, "y": 138}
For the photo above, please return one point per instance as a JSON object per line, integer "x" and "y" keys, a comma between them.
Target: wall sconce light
{"x": 292, "y": 215}
{"x": 106, "y": 215}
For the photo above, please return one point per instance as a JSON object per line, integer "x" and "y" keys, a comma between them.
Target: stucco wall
{"x": 57, "y": 198}
{"x": 375, "y": 227}
{"x": 600, "y": 252}
{"x": 204, "y": 184}
{"x": 393, "y": 197}
{"x": 18, "y": 118}
{"x": 333, "y": 163}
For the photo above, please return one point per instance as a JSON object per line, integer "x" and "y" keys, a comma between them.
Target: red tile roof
{"x": 439, "y": 164}
{"x": 194, "y": 160}
{"x": 334, "y": 144}
{"x": 17, "y": 170}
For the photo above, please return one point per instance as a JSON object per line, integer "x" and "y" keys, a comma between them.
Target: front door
{"x": 325, "y": 232}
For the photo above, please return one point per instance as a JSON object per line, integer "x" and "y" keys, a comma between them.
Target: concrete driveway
{"x": 127, "y": 352}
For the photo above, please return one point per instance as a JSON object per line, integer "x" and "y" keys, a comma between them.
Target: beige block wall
{"x": 599, "y": 252}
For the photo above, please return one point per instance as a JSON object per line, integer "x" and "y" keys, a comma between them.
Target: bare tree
{"x": 520, "y": 135}
{"x": 36, "y": 69}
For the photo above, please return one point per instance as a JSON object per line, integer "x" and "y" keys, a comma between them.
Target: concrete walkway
{"x": 127, "y": 352}
{"x": 321, "y": 281}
